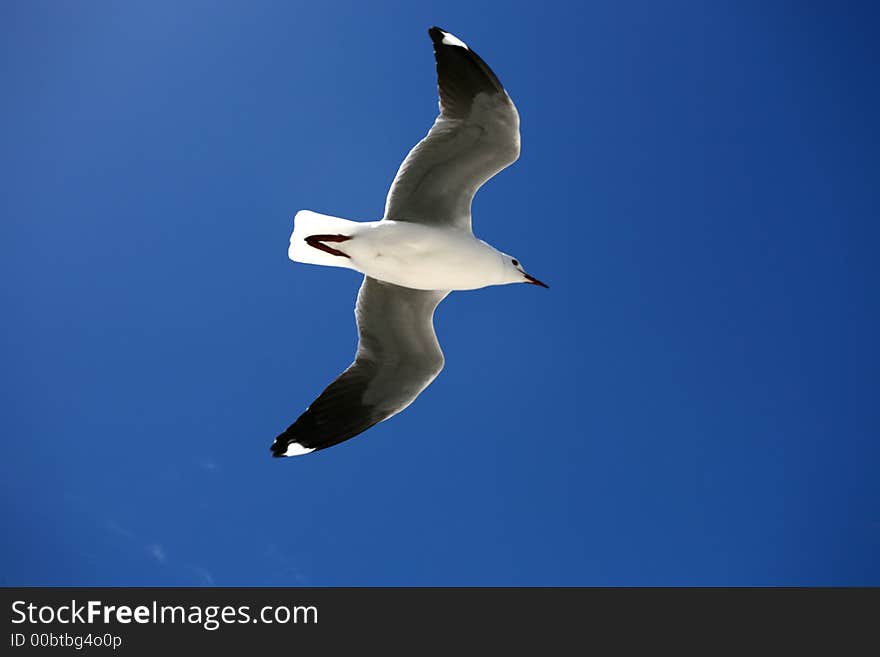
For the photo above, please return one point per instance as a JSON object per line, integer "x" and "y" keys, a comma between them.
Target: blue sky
{"x": 693, "y": 402}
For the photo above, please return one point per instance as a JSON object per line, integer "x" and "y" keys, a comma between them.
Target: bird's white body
{"x": 412, "y": 255}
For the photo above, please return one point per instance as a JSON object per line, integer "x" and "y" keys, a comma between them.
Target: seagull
{"x": 421, "y": 250}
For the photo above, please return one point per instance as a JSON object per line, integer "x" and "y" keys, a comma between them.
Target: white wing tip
{"x": 452, "y": 40}
{"x": 295, "y": 449}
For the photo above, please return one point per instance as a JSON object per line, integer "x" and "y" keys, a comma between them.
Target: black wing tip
{"x": 278, "y": 448}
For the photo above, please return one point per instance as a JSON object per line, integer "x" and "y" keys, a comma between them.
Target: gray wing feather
{"x": 397, "y": 357}
{"x": 475, "y": 136}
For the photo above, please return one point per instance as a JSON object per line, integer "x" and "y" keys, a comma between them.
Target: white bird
{"x": 421, "y": 249}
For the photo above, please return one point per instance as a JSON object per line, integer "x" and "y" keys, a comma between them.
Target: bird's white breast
{"x": 424, "y": 257}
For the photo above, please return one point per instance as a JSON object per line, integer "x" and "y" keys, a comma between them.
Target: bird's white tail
{"x": 307, "y": 224}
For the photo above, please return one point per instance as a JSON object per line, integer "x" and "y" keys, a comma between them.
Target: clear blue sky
{"x": 694, "y": 401}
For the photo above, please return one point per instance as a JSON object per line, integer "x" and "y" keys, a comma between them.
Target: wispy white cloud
{"x": 157, "y": 552}
{"x": 284, "y": 566}
{"x": 209, "y": 464}
{"x": 205, "y": 577}
{"x": 115, "y": 528}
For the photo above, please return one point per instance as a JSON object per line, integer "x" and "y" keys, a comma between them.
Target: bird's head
{"x": 514, "y": 272}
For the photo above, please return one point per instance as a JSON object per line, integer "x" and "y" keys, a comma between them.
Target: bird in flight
{"x": 421, "y": 250}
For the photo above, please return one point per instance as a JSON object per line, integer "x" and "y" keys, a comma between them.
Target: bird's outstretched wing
{"x": 397, "y": 357}
{"x": 475, "y": 137}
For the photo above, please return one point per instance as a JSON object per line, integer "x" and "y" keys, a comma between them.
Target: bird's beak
{"x": 534, "y": 281}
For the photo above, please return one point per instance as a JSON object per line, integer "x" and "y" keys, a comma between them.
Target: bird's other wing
{"x": 475, "y": 136}
{"x": 397, "y": 357}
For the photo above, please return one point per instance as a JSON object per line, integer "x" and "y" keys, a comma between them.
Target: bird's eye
{"x": 515, "y": 263}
